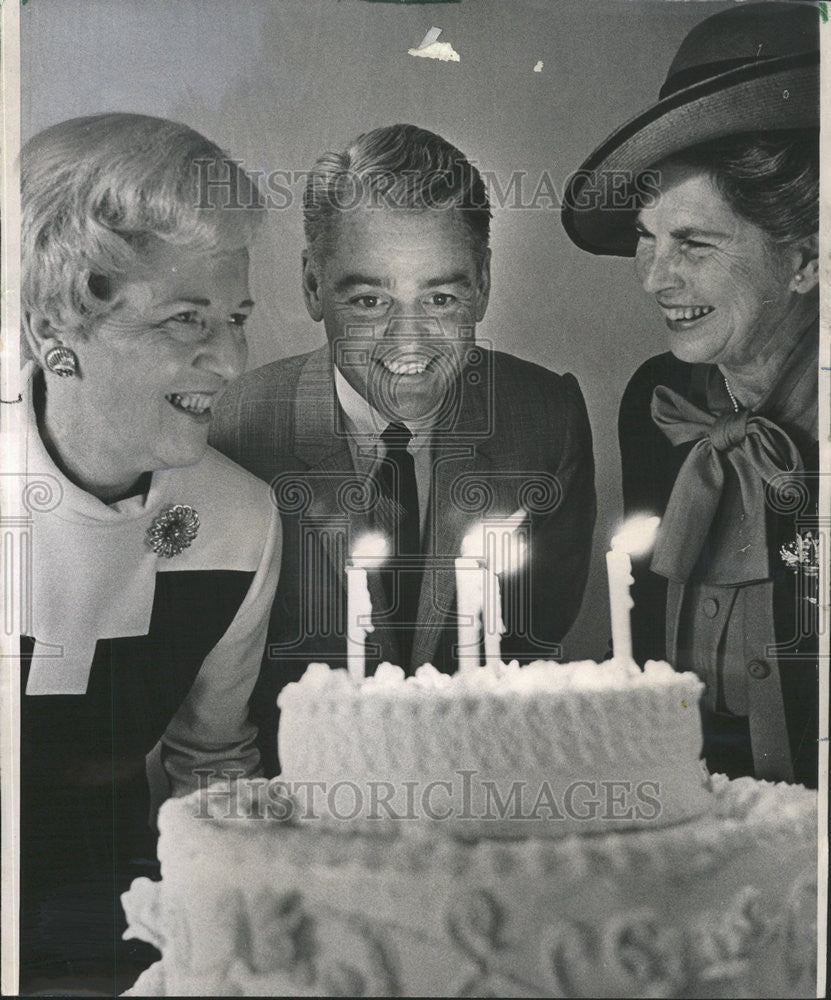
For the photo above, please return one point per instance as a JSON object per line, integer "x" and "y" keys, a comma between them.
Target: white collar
{"x": 364, "y": 423}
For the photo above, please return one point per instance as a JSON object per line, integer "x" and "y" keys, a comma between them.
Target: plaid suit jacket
{"x": 517, "y": 436}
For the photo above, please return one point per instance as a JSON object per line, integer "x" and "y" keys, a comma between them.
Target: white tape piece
{"x": 437, "y": 50}
{"x": 431, "y": 36}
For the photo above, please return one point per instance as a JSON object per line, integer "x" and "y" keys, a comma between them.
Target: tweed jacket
{"x": 517, "y": 437}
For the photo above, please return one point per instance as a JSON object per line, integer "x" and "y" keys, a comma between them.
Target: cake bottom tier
{"x": 723, "y": 906}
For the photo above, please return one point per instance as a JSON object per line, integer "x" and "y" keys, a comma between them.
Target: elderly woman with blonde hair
{"x": 155, "y": 560}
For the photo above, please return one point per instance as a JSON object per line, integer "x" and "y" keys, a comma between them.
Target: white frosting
{"x": 720, "y": 906}
{"x": 506, "y": 679}
{"x": 498, "y": 750}
{"x": 257, "y": 899}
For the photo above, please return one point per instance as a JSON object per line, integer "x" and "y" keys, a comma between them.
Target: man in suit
{"x": 402, "y": 424}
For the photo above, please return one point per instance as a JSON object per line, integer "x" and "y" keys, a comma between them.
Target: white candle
{"x": 369, "y": 552}
{"x": 470, "y": 596}
{"x": 505, "y": 551}
{"x": 636, "y": 537}
{"x": 494, "y": 624}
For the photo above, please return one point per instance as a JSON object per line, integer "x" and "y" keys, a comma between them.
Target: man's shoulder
{"x": 277, "y": 381}
{"x": 537, "y": 413}
{"x": 529, "y": 387}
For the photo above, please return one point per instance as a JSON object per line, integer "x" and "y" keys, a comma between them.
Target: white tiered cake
{"x": 699, "y": 891}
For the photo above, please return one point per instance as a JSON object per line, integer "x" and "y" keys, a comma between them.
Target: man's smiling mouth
{"x": 409, "y": 359}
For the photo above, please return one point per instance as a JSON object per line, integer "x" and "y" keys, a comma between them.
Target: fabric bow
{"x": 735, "y": 448}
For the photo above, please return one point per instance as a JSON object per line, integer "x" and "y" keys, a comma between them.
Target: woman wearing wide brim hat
{"x": 715, "y": 192}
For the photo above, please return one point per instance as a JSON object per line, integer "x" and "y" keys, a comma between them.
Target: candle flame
{"x": 637, "y": 536}
{"x": 499, "y": 543}
{"x": 371, "y": 546}
{"x": 473, "y": 543}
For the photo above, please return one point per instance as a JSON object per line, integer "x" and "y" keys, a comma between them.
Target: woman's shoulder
{"x": 237, "y": 516}
{"x": 662, "y": 369}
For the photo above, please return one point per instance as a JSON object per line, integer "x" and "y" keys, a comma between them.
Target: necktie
{"x": 752, "y": 451}
{"x": 397, "y": 482}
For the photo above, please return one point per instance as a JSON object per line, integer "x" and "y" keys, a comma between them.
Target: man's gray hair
{"x": 395, "y": 167}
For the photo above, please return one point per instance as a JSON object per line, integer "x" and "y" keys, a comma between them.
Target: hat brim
{"x": 598, "y": 205}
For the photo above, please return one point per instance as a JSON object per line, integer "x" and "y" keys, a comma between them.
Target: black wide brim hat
{"x": 749, "y": 69}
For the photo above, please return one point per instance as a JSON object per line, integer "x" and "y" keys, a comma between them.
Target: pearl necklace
{"x": 733, "y": 399}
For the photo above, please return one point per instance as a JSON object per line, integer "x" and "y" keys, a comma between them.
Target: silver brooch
{"x": 802, "y": 556}
{"x": 173, "y": 530}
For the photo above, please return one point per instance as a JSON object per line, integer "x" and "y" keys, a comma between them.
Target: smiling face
{"x": 153, "y": 368}
{"x": 399, "y": 293}
{"x": 726, "y": 291}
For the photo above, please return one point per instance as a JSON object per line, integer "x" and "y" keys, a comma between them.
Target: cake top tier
{"x": 506, "y": 679}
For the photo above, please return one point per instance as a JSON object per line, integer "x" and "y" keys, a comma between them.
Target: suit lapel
{"x": 336, "y": 512}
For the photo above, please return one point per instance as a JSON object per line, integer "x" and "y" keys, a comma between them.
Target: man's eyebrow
{"x": 454, "y": 278}
{"x": 351, "y": 280}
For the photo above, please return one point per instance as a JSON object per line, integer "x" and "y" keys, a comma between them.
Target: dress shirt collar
{"x": 364, "y": 423}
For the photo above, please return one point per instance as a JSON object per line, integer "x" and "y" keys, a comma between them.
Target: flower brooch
{"x": 802, "y": 556}
{"x": 173, "y": 530}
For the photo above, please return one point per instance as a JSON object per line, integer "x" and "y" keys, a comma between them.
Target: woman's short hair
{"x": 397, "y": 167}
{"x": 95, "y": 191}
{"x": 769, "y": 178}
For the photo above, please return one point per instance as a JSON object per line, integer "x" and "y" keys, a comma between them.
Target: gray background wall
{"x": 278, "y": 81}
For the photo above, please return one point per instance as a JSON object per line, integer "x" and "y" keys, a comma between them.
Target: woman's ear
{"x": 40, "y": 335}
{"x": 49, "y": 346}
{"x": 806, "y": 277}
{"x": 311, "y": 288}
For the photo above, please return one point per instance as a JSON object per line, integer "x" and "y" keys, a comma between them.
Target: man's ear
{"x": 806, "y": 277}
{"x": 311, "y": 287}
{"x": 483, "y": 286}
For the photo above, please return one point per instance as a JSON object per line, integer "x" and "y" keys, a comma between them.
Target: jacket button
{"x": 710, "y": 607}
{"x": 758, "y": 669}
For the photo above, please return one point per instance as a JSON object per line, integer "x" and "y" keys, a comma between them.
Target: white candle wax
{"x": 369, "y": 553}
{"x": 469, "y": 601}
{"x": 635, "y": 538}
{"x": 358, "y": 620}
{"x": 494, "y": 625}
{"x": 619, "y": 568}
{"x": 506, "y": 551}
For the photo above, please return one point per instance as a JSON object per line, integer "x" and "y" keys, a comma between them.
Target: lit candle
{"x": 635, "y": 538}
{"x": 369, "y": 553}
{"x": 505, "y": 552}
{"x": 470, "y": 596}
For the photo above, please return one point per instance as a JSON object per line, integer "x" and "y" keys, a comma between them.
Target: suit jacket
{"x": 518, "y": 436}
{"x": 650, "y": 466}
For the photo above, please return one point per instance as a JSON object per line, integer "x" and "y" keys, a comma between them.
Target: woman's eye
{"x": 239, "y": 319}
{"x": 695, "y": 245}
{"x": 189, "y": 316}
